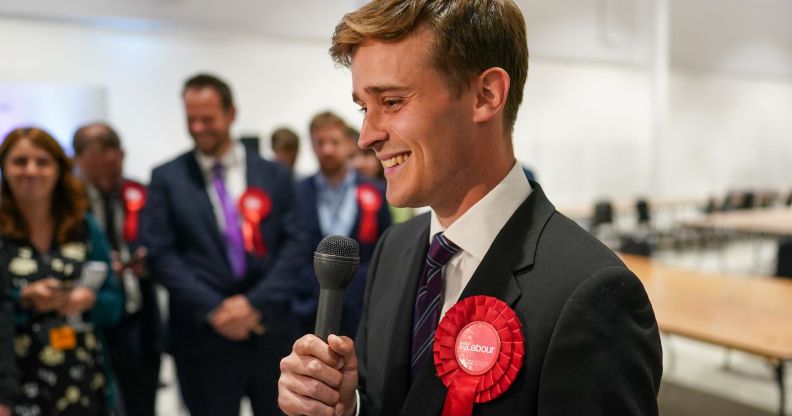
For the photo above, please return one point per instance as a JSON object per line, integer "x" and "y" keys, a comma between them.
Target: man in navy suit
{"x": 135, "y": 343}
{"x": 338, "y": 200}
{"x": 440, "y": 83}
{"x": 224, "y": 242}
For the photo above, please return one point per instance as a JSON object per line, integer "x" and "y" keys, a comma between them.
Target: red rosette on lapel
{"x": 478, "y": 351}
{"x": 370, "y": 201}
{"x": 133, "y": 195}
{"x": 255, "y": 205}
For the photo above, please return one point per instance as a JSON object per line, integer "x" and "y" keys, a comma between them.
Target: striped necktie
{"x": 427, "y": 299}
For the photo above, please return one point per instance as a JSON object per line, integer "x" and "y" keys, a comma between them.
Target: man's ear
{"x": 492, "y": 89}
{"x": 232, "y": 113}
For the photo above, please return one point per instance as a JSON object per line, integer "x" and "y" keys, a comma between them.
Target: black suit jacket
{"x": 187, "y": 254}
{"x": 592, "y": 345}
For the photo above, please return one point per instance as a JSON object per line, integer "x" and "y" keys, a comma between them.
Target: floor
{"x": 698, "y": 377}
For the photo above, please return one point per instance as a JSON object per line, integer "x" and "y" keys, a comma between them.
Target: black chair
{"x": 602, "y": 225}
{"x": 712, "y": 206}
{"x": 603, "y": 214}
{"x": 747, "y": 200}
{"x": 784, "y": 260}
{"x": 642, "y": 208}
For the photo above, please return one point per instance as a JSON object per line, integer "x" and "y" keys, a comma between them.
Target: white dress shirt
{"x": 235, "y": 177}
{"x": 475, "y": 231}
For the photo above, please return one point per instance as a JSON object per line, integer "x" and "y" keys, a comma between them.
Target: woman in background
{"x": 57, "y": 262}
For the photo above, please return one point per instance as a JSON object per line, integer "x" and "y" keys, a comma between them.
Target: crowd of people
{"x": 228, "y": 234}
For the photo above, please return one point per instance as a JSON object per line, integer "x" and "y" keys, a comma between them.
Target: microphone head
{"x": 335, "y": 261}
{"x": 338, "y": 245}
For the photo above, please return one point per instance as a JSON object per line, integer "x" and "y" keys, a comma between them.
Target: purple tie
{"x": 232, "y": 232}
{"x": 427, "y": 300}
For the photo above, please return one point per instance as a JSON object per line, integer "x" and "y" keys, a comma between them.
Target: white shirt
{"x": 235, "y": 177}
{"x": 475, "y": 231}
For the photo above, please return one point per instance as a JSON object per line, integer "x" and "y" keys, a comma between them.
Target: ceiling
{"x": 311, "y": 19}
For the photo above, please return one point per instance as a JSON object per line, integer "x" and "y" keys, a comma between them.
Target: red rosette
{"x": 370, "y": 202}
{"x": 133, "y": 195}
{"x": 255, "y": 205}
{"x": 478, "y": 352}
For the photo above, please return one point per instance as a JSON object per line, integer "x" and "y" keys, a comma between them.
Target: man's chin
{"x": 400, "y": 199}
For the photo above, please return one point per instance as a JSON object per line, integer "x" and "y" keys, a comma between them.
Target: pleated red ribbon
{"x": 478, "y": 352}
{"x": 133, "y": 195}
{"x": 370, "y": 202}
{"x": 255, "y": 205}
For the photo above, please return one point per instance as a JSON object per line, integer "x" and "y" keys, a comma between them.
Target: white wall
{"x": 586, "y": 122}
{"x": 276, "y": 82}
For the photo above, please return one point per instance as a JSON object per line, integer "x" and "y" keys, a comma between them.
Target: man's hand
{"x": 78, "y": 300}
{"x": 44, "y": 295}
{"x": 5, "y": 410}
{"x": 137, "y": 262}
{"x": 319, "y": 379}
{"x": 236, "y": 318}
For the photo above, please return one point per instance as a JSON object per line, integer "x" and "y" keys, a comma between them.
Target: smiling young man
{"x": 440, "y": 83}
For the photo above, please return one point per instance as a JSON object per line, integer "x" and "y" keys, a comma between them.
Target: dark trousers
{"x": 214, "y": 385}
{"x": 138, "y": 381}
{"x": 134, "y": 346}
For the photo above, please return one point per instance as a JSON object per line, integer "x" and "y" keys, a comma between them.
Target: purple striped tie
{"x": 427, "y": 299}
{"x": 233, "y": 234}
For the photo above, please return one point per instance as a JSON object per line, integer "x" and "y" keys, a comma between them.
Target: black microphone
{"x": 335, "y": 261}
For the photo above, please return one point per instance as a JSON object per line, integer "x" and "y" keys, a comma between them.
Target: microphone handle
{"x": 328, "y": 313}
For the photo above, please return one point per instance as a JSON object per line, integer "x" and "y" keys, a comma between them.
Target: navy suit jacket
{"x": 592, "y": 345}
{"x": 188, "y": 255}
{"x": 307, "y": 293}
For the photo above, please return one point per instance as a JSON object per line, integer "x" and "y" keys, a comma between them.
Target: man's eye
{"x": 362, "y": 110}
{"x": 392, "y": 104}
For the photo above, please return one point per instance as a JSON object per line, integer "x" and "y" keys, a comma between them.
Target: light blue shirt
{"x": 337, "y": 206}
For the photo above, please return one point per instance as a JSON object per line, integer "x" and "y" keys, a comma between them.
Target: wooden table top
{"x": 752, "y": 314}
{"x": 774, "y": 221}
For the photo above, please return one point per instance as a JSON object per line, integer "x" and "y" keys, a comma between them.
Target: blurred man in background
{"x": 286, "y": 146}
{"x": 135, "y": 343}
{"x": 225, "y": 243}
{"x": 338, "y": 200}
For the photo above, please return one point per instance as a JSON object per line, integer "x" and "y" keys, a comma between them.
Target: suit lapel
{"x": 513, "y": 250}
{"x": 313, "y": 207}
{"x": 204, "y": 208}
{"x": 398, "y": 360}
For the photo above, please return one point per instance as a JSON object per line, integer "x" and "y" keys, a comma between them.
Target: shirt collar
{"x": 477, "y": 228}
{"x": 324, "y": 184}
{"x": 233, "y": 157}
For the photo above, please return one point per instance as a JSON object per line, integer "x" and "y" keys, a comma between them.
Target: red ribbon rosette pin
{"x": 478, "y": 351}
{"x": 370, "y": 202}
{"x": 255, "y": 206}
{"x": 134, "y": 196}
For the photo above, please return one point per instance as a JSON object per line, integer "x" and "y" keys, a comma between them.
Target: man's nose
{"x": 371, "y": 132}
